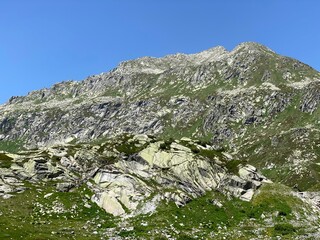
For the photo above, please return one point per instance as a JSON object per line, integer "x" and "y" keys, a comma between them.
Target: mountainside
{"x": 250, "y": 84}
{"x": 235, "y": 133}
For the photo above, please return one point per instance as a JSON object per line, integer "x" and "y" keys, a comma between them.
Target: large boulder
{"x": 173, "y": 174}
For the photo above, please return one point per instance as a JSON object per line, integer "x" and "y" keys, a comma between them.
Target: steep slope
{"x": 137, "y": 187}
{"x": 214, "y": 145}
{"x": 259, "y": 106}
{"x": 151, "y": 95}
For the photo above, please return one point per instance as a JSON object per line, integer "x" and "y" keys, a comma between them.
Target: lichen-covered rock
{"x": 132, "y": 183}
{"x": 109, "y": 203}
{"x": 178, "y": 172}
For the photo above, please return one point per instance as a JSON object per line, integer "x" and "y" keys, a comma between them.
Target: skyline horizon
{"x": 169, "y": 54}
{"x": 46, "y": 42}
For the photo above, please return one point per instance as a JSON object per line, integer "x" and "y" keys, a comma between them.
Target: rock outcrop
{"x": 237, "y": 99}
{"x": 212, "y": 90}
{"x": 133, "y": 183}
{"x": 207, "y": 135}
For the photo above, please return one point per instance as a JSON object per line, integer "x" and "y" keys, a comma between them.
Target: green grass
{"x": 199, "y": 213}
{"x": 211, "y": 154}
{"x": 11, "y": 146}
{"x": 234, "y": 216}
{"x": 29, "y": 215}
{"x": 276, "y": 198}
{"x": 304, "y": 140}
{"x": 283, "y": 229}
{"x": 5, "y": 161}
{"x": 233, "y": 166}
{"x": 129, "y": 148}
{"x": 21, "y": 217}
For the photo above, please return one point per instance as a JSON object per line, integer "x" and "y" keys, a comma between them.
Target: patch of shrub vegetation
{"x": 160, "y": 238}
{"x": 125, "y": 233}
{"x": 211, "y": 154}
{"x": 232, "y": 166}
{"x": 5, "y": 161}
{"x": 194, "y": 149}
{"x": 166, "y": 144}
{"x": 184, "y": 237}
{"x": 270, "y": 206}
{"x": 128, "y": 149}
{"x": 284, "y": 229}
{"x": 282, "y": 213}
{"x": 107, "y": 160}
{"x": 204, "y": 143}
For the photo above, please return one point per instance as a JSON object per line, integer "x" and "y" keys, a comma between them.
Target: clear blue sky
{"x": 47, "y": 41}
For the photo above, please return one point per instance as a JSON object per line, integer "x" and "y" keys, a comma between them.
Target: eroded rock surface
{"x": 133, "y": 183}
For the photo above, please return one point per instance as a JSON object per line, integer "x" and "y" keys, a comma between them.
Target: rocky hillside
{"x": 129, "y": 171}
{"x": 258, "y": 105}
{"x": 213, "y": 94}
{"x": 234, "y": 134}
{"x": 140, "y": 187}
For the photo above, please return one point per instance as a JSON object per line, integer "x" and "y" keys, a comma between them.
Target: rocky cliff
{"x": 217, "y": 130}
{"x": 208, "y": 94}
{"x": 135, "y": 180}
{"x": 246, "y": 100}
{"x": 133, "y": 187}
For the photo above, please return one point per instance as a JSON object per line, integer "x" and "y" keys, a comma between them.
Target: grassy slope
{"x": 22, "y": 217}
{"x": 273, "y": 211}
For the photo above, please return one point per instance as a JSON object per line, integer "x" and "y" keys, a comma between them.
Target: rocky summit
{"x": 214, "y": 145}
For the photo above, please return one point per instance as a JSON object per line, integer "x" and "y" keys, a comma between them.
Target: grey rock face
{"x": 248, "y": 108}
{"x": 249, "y": 101}
{"x": 203, "y": 94}
{"x": 134, "y": 183}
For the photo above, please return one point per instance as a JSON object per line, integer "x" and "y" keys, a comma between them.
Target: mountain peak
{"x": 252, "y": 46}
{"x": 160, "y": 64}
{"x": 216, "y": 125}
{"x": 157, "y": 65}
{"x": 211, "y": 54}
